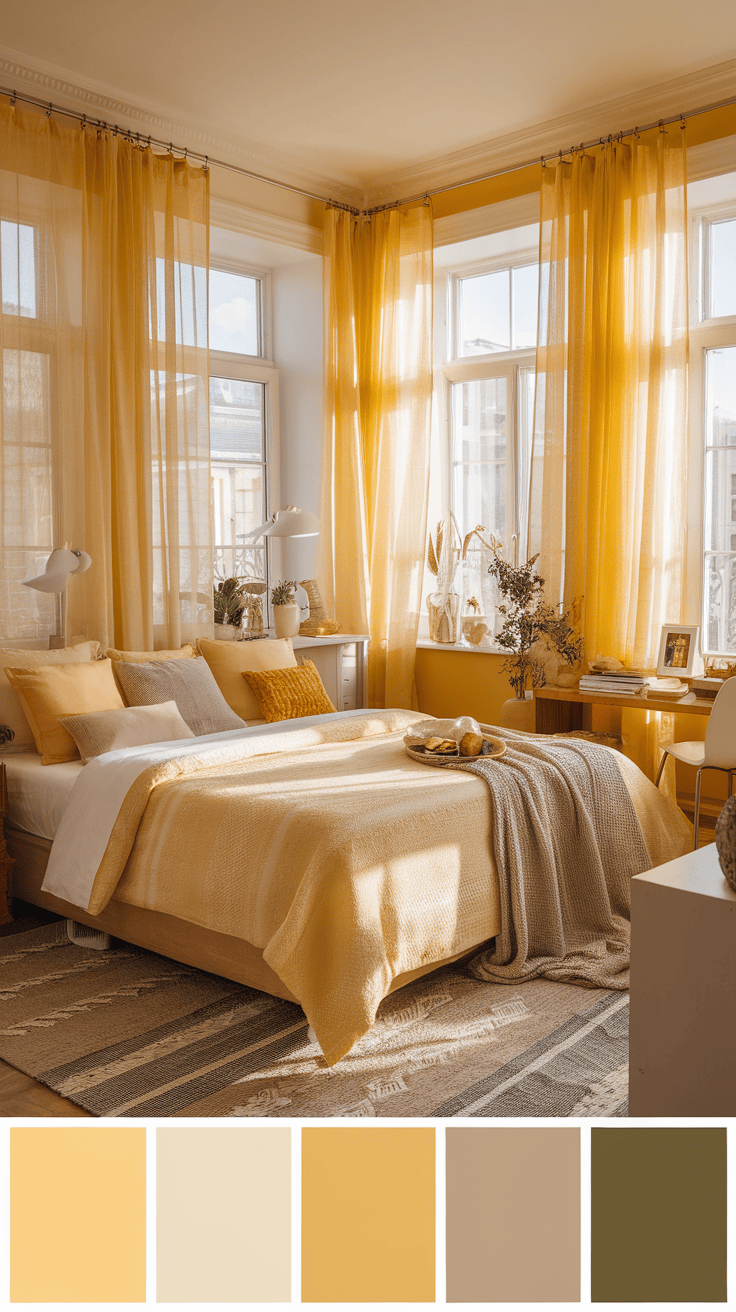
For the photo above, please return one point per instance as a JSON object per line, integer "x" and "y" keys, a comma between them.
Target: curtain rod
{"x": 140, "y": 139}
{"x": 207, "y": 160}
{"x": 557, "y": 154}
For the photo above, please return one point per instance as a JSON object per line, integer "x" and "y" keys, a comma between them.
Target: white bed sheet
{"x": 38, "y": 794}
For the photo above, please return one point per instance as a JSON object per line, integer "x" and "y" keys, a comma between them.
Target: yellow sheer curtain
{"x": 105, "y": 429}
{"x": 607, "y": 506}
{"x": 378, "y": 389}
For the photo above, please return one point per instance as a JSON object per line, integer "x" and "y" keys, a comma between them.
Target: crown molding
{"x": 84, "y": 95}
{"x": 270, "y": 227}
{"x": 704, "y": 87}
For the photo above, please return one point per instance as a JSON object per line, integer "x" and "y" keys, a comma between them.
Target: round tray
{"x": 429, "y": 758}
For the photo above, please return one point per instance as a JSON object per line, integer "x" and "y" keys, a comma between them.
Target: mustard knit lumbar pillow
{"x": 229, "y": 660}
{"x": 53, "y": 691}
{"x": 289, "y": 694}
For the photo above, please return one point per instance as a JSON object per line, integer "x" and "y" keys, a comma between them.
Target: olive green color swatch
{"x": 658, "y": 1215}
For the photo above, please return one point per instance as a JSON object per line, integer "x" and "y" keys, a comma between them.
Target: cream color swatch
{"x": 368, "y": 1215}
{"x": 77, "y": 1215}
{"x": 223, "y": 1215}
{"x": 513, "y": 1215}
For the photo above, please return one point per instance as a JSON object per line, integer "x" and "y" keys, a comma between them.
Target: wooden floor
{"x": 21, "y": 1095}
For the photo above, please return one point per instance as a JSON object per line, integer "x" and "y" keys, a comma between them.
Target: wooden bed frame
{"x": 220, "y": 954}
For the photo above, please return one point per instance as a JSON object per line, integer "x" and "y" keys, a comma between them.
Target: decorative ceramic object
{"x": 317, "y": 625}
{"x": 286, "y": 620}
{"x": 518, "y": 713}
{"x": 726, "y": 841}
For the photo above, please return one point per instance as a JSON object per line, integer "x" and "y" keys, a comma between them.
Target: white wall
{"x": 296, "y": 291}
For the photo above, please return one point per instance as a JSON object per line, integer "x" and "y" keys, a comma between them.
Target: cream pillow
{"x": 229, "y": 661}
{"x": 51, "y": 692}
{"x": 133, "y": 726}
{"x": 11, "y": 711}
{"x": 188, "y": 683}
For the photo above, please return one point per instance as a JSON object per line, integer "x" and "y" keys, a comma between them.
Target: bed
{"x": 312, "y": 860}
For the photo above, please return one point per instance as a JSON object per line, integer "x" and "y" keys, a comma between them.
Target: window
{"x": 242, "y": 405}
{"x": 713, "y": 418}
{"x": 485, "y": 341}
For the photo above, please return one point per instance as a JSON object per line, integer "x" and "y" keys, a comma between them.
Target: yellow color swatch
{"x": 223, "y": 1207}
{"x": 77, "y": 1215}
{"x": 368, "y": 1215}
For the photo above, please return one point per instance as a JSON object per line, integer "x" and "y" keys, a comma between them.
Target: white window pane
{"x": 526, "y": 292}
{"x": 237, "y": 419}
{"x": 18, "y": 269}
{"x": 719, "y": 592}
{"x": 188, "y": 282}
{"x": 479, "y": 455}
{"x": 234, "y": 313}
{"x": 484, "y": 313}
{"x": 722, "y": 298}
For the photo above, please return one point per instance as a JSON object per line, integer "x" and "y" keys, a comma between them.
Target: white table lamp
{"x": 60, "y": 566}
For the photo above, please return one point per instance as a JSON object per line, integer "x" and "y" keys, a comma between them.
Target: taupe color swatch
{"x": 513, "y": 1215}
{"x": 658, "y": 1215}
{"x": 223, "y": 1215}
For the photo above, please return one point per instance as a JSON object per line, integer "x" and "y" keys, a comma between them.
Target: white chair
{"x": 718, "y": 752}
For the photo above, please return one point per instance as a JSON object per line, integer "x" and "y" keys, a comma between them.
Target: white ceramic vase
{"x": 286, "y": 620}
{"x": 518, "y": 713}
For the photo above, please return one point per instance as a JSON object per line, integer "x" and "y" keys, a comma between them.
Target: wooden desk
{"x": 557, "y": 710}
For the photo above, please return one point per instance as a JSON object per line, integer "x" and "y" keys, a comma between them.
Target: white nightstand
{"x": 341, "y": 663}
{"x": 682, "y": 1055}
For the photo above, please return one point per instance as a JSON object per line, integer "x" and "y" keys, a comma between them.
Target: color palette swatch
{"x": 513, "y": 1195}
{"x": 223, "y": 1215}
{"x": 368, "y": 1215}
{"x": 77, "y": 1215}
{"x": 227, "y": 1216}
{"x": 658, "y": 1215}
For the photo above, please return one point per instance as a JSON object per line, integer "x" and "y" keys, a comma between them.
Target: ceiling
{"x": 357, "y": 93}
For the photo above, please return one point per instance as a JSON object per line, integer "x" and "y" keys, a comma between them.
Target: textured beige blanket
{"x": 345, "y": 861}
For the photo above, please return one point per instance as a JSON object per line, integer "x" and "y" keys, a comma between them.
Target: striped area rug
{"x": 124, "y": 1032}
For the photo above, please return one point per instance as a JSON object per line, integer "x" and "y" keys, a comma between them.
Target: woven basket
{"x": 429, "y": 758}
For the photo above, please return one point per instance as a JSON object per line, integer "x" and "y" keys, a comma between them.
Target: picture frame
{"x": 679, "y": 650}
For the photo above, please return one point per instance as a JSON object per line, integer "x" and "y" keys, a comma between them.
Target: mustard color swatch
{"x": 368, "y": 1215}
{"x": 77, "y": 1215}
{"x": 223, "y": 1215}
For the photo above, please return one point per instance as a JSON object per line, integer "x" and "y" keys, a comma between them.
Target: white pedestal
{"x": 682, "y": 1052}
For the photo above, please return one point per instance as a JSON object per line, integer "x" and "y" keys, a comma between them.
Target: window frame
{"x": 478, "y": 368}
{"x": 706, "y": 334}
{"x": 257, "y": 369}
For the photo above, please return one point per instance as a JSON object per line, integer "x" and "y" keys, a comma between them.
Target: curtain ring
{"x": 682, "y": 122}
{"x": 13, "y": 99}
{"x": 206, "y": 163}
{"x": 661, "y": 125}
{"x": 83, "y": 123}
{"x": 48, "y": 111}
{"x": 149, "y": 141}
{"x": 543, "y": 161}
{"x": 186, "y": 151}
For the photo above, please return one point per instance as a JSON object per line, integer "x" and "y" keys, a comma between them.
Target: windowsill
{"x": 428, "y": 645}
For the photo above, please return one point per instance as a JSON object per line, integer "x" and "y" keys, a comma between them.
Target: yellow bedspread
{"x": 344, "y": 860}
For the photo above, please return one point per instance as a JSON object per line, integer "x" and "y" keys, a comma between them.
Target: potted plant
{"x": 286, "y": 610}
{"x": 532, "y": 633}
{"x": 230, "y": 598}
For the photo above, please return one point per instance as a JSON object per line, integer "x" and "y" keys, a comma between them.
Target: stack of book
{"x": 623, "y": 683}
{"x": 667, "y": 690}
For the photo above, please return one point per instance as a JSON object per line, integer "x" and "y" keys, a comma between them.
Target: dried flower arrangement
{"x": 531, "y": 625}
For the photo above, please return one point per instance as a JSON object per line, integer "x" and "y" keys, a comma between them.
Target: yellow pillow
{"x": 51, "y": 691}
{"x": 289, "y": 694}
{"x": 11, "y": 711}
{"x": 143, "y": 658}
{"x": 228, "y": 662}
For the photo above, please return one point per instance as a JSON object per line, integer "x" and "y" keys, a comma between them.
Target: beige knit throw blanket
{"x": 567, "y": 841}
